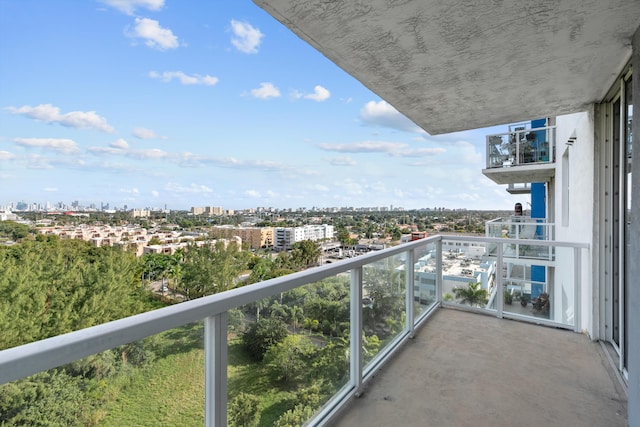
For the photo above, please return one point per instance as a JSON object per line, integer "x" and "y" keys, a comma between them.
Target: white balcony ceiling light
{"x": 452, "y": 66}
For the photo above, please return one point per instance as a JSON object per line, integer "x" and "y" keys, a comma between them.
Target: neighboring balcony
{"x": 462, "y": 368}
{"x": 521, "y": 156}
{"x": 519, "y": 188}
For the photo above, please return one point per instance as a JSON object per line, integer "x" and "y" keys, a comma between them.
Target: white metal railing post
{"x": 488, "y": 151}
{"x": 409, "y": 281}
{"x": 517, "y": 159}
{"x": 499, "y": 287}
{"x": 215, "y": 361}
{"x": 577, "y": 285}
{"x": 439, "y": 271}
{"x": 356, "y": 329}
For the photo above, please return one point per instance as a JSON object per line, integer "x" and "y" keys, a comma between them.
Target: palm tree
{"x": 297, "y": 314}
{"x": 472, "y": 295}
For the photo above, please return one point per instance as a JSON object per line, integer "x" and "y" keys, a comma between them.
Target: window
{"x": 565, "y": 188}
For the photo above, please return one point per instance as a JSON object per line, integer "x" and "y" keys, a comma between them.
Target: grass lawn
{"x": 170, "y": 390}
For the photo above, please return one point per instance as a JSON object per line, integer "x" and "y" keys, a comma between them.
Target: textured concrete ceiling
{"x": 454, "y": 65}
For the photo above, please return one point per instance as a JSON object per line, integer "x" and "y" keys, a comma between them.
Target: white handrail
{"x": 28, "y": 359}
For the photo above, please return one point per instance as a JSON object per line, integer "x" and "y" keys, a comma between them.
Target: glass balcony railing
{"x": 521, "y": 147}
{"x": 337, "y": 325}
{"x": 522, "y": 228}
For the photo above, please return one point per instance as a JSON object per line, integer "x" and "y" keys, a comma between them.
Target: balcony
{"x": 521, "y": 156}
{"x": 519, "y": 188}
{"x": 485, "y": 368}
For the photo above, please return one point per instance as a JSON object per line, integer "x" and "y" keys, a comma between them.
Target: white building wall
{"x": 572, "y": 210}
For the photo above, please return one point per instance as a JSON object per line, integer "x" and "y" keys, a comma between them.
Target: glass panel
{"x": 424, "y": 276}
{"x": 168, "y": 388}
{"x": 617, "y": 217}
{"x": 628, "y": 192}
{"x": 158, "y": 381}
{"x": 521, "y": 146}
{"x": 289, "y": 354}
{"x": 544, "y": 290}
{"x": 467, "y": 273}
{"x": 383, "y": 305}
{"x": 498, "y": 151}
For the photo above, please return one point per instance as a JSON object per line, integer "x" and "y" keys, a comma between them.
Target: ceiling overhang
{"x": 455, "y": 65}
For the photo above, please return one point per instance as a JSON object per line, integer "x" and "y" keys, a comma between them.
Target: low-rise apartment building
{"x": 255, "y": 237}
{"x": 285, "y": 237}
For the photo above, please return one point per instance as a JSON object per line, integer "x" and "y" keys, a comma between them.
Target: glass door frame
{"x": 615, "y": 192}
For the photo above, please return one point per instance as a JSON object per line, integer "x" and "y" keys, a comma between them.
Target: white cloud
{"x": 120, "y": 143}
{"x": 144, "y": 133}
{"x": 350, "y": 186}
{"x": 154, "y": 35}
{"x": 468, "y": 153}
{"x": 252, "y": 193}
{"x": 5, "y": 155}
{"x": 192, "y": 188}
{"x": 119, "y": 146}
{"x": 382, "y": 114}
{"x": 394, "y": 149}
{"x": 50, "y": 189}
{"x": 266, "y": 91}
{"x": 319, "y": 94}
{"x": 35, "y": 161}
{"x": 247, "y": 38}
{"x": 133, "y": 190}
{"x": 129, "y": 6}
{"x": 321, "y": 188}
{"x": 61, "y": 145}
{"x": 155, "y": 193}
{"x": 185, "y": 79}
{"x": 75, "y": 119}
{"x": 190, "y": 160}
{"x": 152, "y": 153}
{"x": 342, "y": 161}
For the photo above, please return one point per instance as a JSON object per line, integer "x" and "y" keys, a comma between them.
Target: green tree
{"x": 262, "y": 270}
{"x": 15, "y": 231}
{"x": 343, "y": 236}
{"x": 262, "y": 334}
{"x": 211, "y": 269}
{"x": 45, "y": 399}
{"x": 306, "y": 253}
{"x": 154, "y": 241}
{"x": 243, "y": 410}
{"x": 472, "y": 294}
{"x": 297, "y": 316}
{"x": 295, "y": 417}
{"x": 291, "y": 357}
{"x": 52, "y": 287}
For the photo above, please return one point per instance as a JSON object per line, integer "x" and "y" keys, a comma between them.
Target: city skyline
{"x": 98, "y": 206}
{"x": 150, "y": 103}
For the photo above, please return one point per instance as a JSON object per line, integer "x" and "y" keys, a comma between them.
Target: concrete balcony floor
{"x": 465, "y": 369}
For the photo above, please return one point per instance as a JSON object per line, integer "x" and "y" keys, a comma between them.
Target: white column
{"x": 633, "y": 296}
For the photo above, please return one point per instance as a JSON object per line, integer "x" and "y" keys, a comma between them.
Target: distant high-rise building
{"x": 197, "y": 210}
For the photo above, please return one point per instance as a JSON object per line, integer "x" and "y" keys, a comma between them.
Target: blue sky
{"x": 164, "y": 102}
